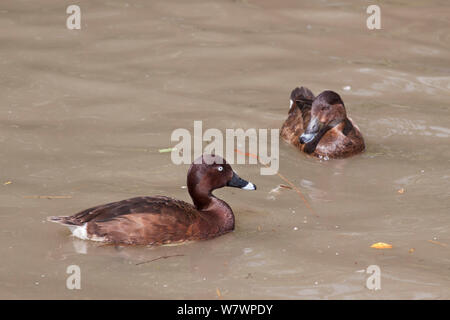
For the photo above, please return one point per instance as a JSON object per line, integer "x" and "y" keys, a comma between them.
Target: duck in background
{"x": 319, "y": 126}
{"x": 160, "y": 219}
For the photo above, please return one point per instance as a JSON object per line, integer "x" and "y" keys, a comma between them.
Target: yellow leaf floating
{"x": 381, "y": 245}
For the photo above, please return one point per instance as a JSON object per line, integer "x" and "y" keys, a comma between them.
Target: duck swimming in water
{"x": 163, "y": 220}
{"x": 319, "y": 126}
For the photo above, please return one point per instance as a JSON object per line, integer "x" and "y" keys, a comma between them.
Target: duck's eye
{"x": 220, "y": 168}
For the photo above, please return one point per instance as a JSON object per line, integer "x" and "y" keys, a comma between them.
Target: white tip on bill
{"x": 290, "y": 104}
{"x": 249, "y": 186}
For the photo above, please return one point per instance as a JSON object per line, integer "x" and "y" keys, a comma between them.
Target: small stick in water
{"x": 47, "y": 197}
{"x": 285, "y": 180}
{"x": 439, "y": 243}
{"x": 162, "y": 257}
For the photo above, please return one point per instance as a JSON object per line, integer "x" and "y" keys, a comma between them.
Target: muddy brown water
{"x": 84, "y": 112}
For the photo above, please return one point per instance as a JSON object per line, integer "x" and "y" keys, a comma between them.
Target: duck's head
{"x": 326, "y": 112}
{"x": 210, "y": 172}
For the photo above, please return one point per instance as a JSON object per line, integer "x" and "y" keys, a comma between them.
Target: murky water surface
{"x": 83, "y": 114}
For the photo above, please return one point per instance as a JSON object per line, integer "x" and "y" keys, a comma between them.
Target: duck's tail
{"x": 302, "y": 98}
{"x": 302, "y": 94}
{"x": 61, "y": 220}
{"x": 79, "y": 231}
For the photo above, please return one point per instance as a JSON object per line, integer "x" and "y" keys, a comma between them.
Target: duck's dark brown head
{"x": 327, "y": 111}
{"x": 210, "y": 172}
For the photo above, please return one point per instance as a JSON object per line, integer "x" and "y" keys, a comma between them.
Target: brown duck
{"x": 319, "y": 126}
{"x": 160, "y": 219}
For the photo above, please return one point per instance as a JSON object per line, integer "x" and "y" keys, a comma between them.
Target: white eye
{"x": 220, "y": 168}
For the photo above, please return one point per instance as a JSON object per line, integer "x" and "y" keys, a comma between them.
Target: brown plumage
{"x": 160, "y": 219}
{"x": 319, "y": 125}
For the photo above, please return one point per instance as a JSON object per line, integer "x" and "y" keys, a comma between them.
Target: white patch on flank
{"x": 290, "y": 104}
{"x": 79, "y": 231}
{"x": 249, "y": 186}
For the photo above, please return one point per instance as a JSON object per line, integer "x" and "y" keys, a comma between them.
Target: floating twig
{"x": 47, "y": 197}
{"x": 285, "y": 180}
{"x": 438, "y": 243}
{"x": 159, "y": 258}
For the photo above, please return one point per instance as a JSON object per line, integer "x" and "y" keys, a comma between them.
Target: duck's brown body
{"x": 340, "y": 138}
{"x": 160, "y": 219}
{"x": 151, "y": 220}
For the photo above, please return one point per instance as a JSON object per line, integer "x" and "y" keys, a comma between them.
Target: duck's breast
{"x": 335, "y": 144}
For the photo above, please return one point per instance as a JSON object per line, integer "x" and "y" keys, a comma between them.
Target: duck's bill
{"x": 238, "y": 182}
{"x": 307, "y": 137}
{"x": 313, "y": 130}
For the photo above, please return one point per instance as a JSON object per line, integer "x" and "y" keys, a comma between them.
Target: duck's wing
{"x": 147, "y": 205}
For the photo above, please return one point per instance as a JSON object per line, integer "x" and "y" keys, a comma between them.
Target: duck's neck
{"x": 217, "y": 209}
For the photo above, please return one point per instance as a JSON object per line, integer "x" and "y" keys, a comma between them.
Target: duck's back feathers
{"x": 150, "y": 205}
